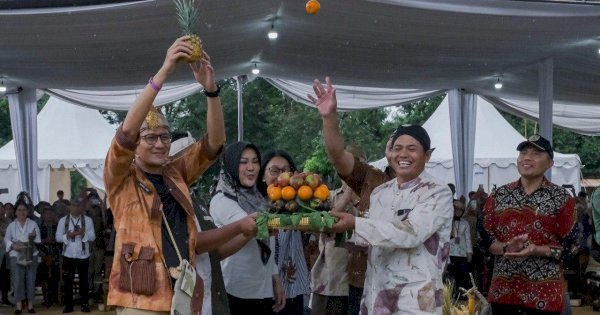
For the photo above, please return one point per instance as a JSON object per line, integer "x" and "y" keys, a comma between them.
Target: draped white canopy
{"x": 102, "y": 55}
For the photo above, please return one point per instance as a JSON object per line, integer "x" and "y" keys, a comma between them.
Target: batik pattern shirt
{"x": 363, "y": 179}
{"x": 548, "y": 216}
{"x": 408, "y": 234}
{"x": 289, "y": 257}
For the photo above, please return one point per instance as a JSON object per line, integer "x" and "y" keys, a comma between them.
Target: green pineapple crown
{"x": 187, "y": 15}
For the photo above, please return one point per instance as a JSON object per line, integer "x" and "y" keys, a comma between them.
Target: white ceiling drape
{"x": 355, "y": 97}
{"x": 583, "y": 119}
{"x": 463, "y": 115}
{"x": 23, "y": 119}
{"x": 122, "y": 100}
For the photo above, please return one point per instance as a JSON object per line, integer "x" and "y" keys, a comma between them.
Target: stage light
{"x": 272, "y": 32}
{"x": 498, "y": 84}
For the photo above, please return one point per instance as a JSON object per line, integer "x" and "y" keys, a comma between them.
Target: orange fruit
{"x": 313, "y": 6}
{"x": 288, "y": 193}
{"x": 274, "y": 192}
{"x": 305, "y": 192}
{"x": 322, "y": 192}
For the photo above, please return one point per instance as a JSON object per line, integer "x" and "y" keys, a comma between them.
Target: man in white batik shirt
{"x": 407, "y": 232}
{"x": 408, "y": 227}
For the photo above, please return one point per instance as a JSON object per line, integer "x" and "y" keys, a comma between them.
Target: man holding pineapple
{"x": 148, "y": 192}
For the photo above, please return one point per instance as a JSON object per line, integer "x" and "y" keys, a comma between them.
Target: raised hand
{"x": 180, "y": 49}
{"x": 325, "y": 101}
{"x": 204, "y": 72}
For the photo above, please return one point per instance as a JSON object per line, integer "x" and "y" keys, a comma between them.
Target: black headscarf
{"x": 249, "y": 198}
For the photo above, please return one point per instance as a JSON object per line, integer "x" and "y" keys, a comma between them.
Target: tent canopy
{"x": 423, "y": 44}
{"x": 495, "y": 150}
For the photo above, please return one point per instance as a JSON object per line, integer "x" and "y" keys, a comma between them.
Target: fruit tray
{"x": 317, "y": 221}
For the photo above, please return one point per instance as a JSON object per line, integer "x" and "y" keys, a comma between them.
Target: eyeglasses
{"x": 152, "y": 138}
{"x": 275, "y": 171}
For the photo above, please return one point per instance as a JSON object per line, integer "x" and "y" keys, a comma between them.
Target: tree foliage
{"x": 5, "y": 126}
{"x": 273, "y": 120}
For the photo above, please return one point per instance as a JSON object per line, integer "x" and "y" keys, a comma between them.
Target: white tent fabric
{"x": 582, "y": 119}
{"x": 495, "y": 150}
{"x": 354, "y": 97}
{"x": 424, "y": 45}
{"x": 463, "y": 109}
{"x": 122, "y": 100}
{"x": 408, "y": 44}
{"x": 69, "y": 136}
{"x": 23, "y": 107}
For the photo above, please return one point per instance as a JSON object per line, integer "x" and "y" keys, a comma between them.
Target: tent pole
{"x": 240, "y": 79}
{"x": 463, "y": 109}
{"x": 23, "y": 119}
{"x": 546, "y": 97}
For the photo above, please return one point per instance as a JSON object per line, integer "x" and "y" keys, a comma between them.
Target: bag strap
{"x": 143, "y": 202}
{"x": 172, "y": 238}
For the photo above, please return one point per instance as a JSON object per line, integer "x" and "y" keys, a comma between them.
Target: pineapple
{"x": 187, "y": 16}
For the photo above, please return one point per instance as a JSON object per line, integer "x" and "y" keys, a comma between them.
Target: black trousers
{"x": 239, "y": 306}
{"x": 294, "y": 306}
{"x": 49, "y": 277}
{"x": 518, "y": 310}
{"x": 70, "y": 267}
{"x": 458, "y": 268}
{"x": 5, "y": 276}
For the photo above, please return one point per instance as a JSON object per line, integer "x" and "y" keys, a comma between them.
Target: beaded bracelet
{"x": 153, "y": 85}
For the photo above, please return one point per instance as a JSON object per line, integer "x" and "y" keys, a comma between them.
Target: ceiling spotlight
{"x": 255, "y": 70}
{"x": 272, "y": 33}
{"x": 2, "y": 87}
{"x": 498, "y": 84}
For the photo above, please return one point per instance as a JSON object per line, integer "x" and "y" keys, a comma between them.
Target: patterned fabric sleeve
{"x": 486, "y": 222}
{"x": 568, "y": 230}
{"x": 356, "y": 179}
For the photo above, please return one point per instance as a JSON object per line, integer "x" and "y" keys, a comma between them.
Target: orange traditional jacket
{"x": 139, "y": 278}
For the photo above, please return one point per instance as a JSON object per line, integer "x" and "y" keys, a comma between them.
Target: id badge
{"x": 188, "y": 282}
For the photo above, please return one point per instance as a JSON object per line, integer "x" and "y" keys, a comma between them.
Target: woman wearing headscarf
{"x": 251, "y": 275}
{"x": 289, "y": 248}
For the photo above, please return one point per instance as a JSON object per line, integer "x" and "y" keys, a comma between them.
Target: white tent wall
{"x": 69, "y": 137}
{"x": 495, "y": 150}
{"x": 60, "y": 179}
{"x": 494, "y": 175}
{"x": 10, "y": 180}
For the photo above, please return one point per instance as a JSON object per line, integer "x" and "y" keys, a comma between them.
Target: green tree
{"x": 5, "y": 126}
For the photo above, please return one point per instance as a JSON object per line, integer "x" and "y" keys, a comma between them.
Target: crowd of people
{"x": 54, "y": 246}
{"x": 408, "y": 232}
